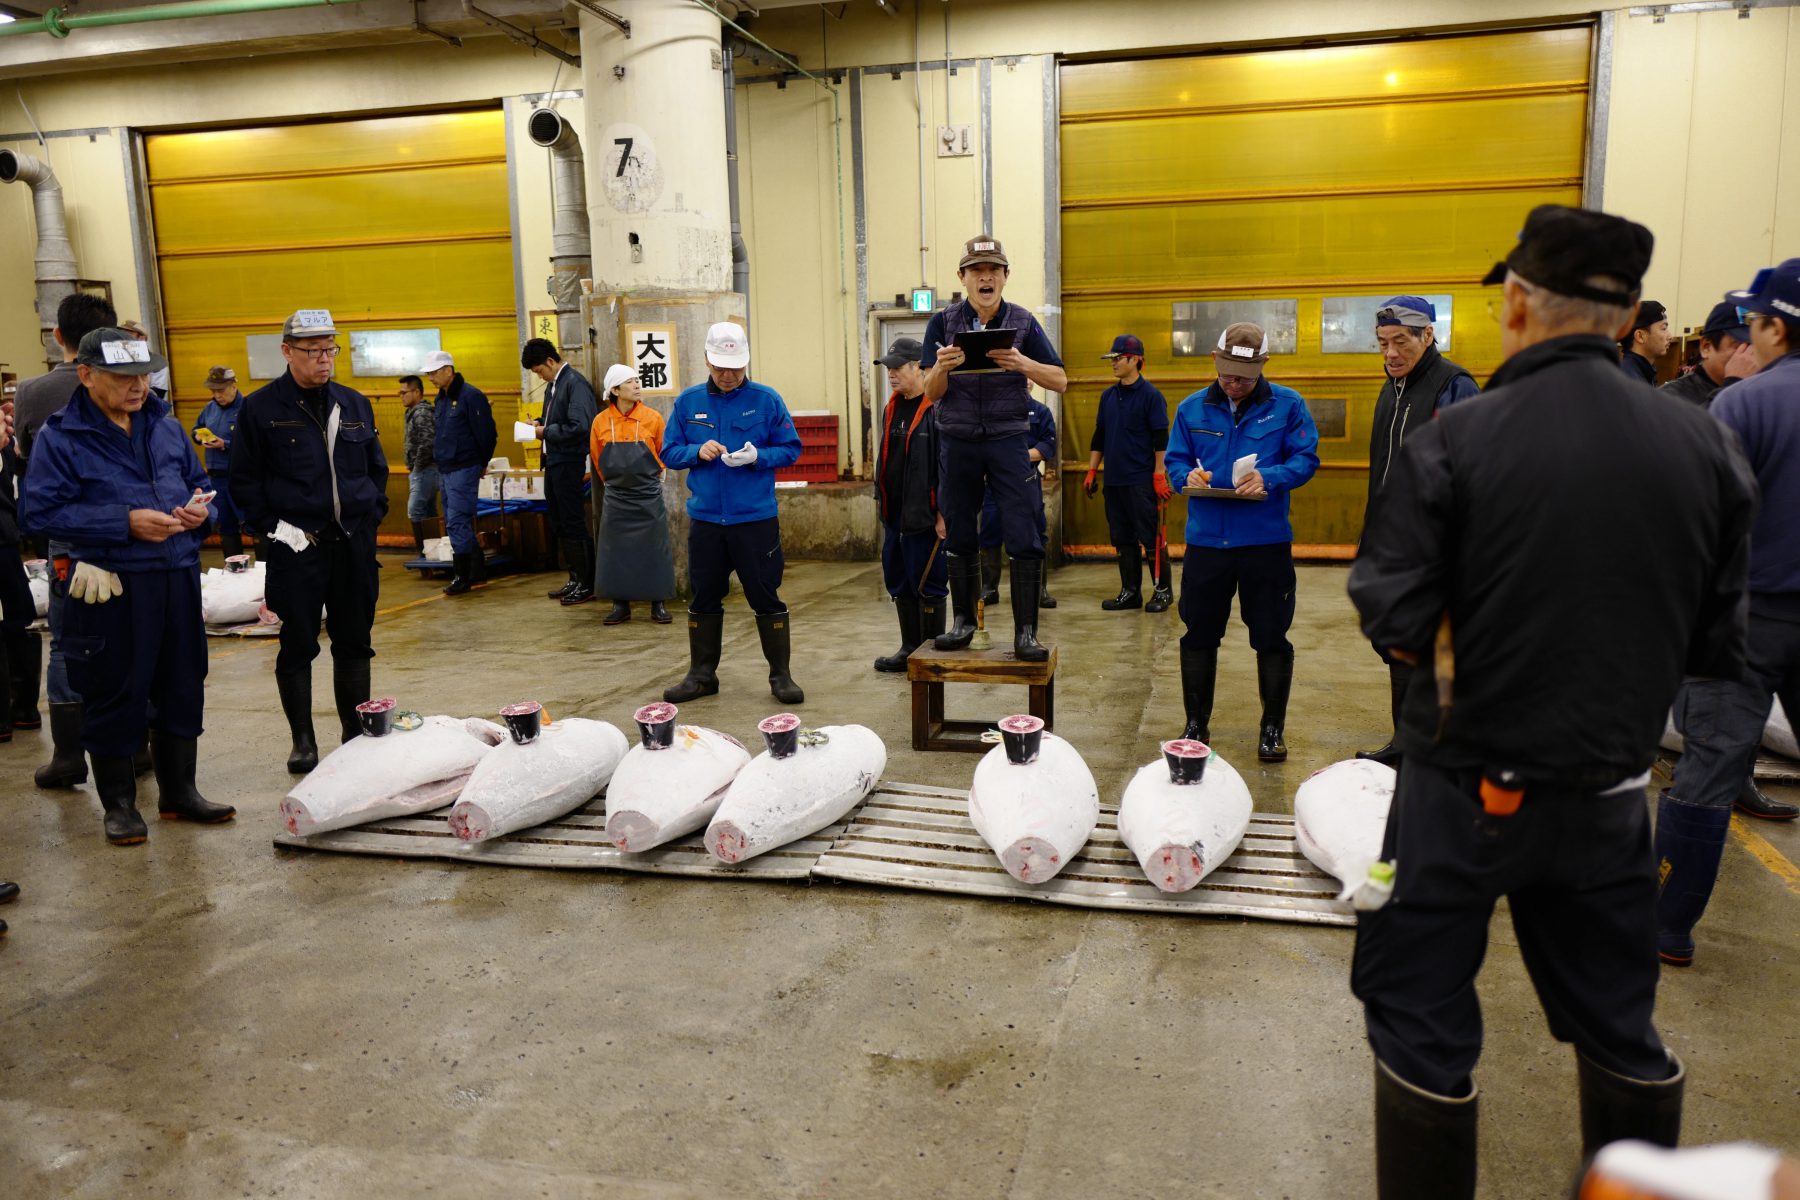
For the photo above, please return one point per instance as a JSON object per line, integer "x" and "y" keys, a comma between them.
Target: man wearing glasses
{"x": 309, "y": 476}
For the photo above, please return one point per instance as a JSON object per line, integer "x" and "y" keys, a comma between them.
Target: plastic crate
{"x": 810, "y": 472}
{"x": 818, "y": 462}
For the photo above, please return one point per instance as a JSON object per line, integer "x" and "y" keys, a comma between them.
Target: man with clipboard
{"x": 981, "y": 357}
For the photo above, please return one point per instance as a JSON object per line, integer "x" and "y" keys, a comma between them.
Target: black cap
{"x": 1649, "y": 313}
{"x": 904, "y": 350}
{"x": 118, "y": 352}
{"x": 1560, "y": 247}
{"x": 1724, "y": 322}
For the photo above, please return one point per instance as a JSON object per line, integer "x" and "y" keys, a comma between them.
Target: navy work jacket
{"x": 466, "y": 436}
{"x": 280, "y": 471}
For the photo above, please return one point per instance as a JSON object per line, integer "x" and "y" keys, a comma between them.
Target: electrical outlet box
{"x": 955, "y": 141}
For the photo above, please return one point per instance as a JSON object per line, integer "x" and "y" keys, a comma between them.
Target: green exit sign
{"x": 924, "y": 300}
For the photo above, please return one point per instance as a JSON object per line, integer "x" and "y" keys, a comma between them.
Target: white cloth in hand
{"x": 739, "y": 458}
{"x": 290, "y": 536}
{"x": 94, "y": 585}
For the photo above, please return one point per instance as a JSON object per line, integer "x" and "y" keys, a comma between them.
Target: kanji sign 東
{"x": 653, "y": 357}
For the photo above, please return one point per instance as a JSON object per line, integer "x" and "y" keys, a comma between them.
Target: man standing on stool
{"x": 311, "y": 479}
{"x": 466, "y": 438}
{"x": 214, "y": 431}
{"x": 1420, "y": 381}
{"x": 730, "y": 435}
{"x": 906, "y": 491}
{"x": 983, "y": 418}
{"x": 1243, "y": 546}
{"x": 569, "y": 412}
{"x": 1131, "y": 434}
{"x": 1040, "y": 448}
{"x": 102, "y": 472}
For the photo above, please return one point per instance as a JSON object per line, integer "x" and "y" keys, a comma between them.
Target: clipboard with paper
{"x": 976, "y": 345}
{"x": 1239, "y": 471}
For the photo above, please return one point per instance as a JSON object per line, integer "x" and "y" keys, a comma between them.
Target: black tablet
{"x": 977, "y": 344}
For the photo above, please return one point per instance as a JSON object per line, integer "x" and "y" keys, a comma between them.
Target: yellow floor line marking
{"x": 1766, "y": 854}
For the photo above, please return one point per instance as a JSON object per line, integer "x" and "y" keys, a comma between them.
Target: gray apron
{"x": 634, "y": 561}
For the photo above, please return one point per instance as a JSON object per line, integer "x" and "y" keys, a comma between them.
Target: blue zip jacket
{"x": 1764, "y": 412}
{"x": 466, "y": 436}
{"x": 222, "y": 420}
{"x": 750, "y": 413}
{"x": 86, "y": 475}
{"x": 1275, "y": 427}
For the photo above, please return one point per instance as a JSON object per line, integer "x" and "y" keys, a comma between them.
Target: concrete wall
{"x": 92, "y": 167}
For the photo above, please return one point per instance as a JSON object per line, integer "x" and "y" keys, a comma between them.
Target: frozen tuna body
{"x": 406, "y": 772}
{"x": 1340, "y": 815}
{"x": 232, "y": 597}
{"x": 524, "y": 784}
{"x": 1037, "y": 815}
{"x": 37, "y": 575}
{"x": 774, "y": 801}
{"x": 1180, "y": 833}
{"x": 657, "y": 796}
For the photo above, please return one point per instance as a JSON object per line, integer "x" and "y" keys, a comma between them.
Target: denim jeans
{"x": 422, "y": 493}
{"x": 460, "y": 487}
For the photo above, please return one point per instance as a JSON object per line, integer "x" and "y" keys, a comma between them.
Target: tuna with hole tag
{"x": 1340, "y": 815}
{"x": 774, "y": 801}
{"x": 658, "y": 795}
{"x": 231, "y": 597}
{"x": 1181, "y": 832}
{"x": 409, "y": 771}
{"x": 522, "y": 784}
{"x": 1036, "y": 815}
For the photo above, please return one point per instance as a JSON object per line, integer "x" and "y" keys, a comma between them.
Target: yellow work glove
{"x": 94, "y": 585}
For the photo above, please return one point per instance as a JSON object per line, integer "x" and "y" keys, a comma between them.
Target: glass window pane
{"x": 1347, "y": 323}
{"x": 1197, "y": 324}
{"x": 264, "y": 353}
{"x": 390, "y": 352}
{"x": 1330, "y": 415}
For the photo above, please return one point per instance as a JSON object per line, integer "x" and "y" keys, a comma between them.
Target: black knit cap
{"x": 1561, "y": 247}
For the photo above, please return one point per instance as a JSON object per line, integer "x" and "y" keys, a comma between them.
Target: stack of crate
{"x": 818, "y": 462}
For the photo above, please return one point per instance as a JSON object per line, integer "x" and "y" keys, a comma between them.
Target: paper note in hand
{"x": 1241, "y": 469}
{"x": 524, "y": 431}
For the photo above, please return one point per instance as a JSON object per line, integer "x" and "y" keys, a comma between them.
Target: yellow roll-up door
{"x": 395, "y": 223}
{"x": 1305, "y": 181}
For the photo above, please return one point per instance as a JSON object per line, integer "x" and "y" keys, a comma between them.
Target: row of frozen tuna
{"x": 676, "y": 780}
{"x": 1033, "y": 800}
{"x": 233, "y": 596}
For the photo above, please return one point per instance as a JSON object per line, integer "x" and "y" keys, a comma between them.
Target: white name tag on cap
{"x": 1242, "y": 352}
{"x": 979, "y": 247}
{"x": 313, "y": 318}
{"x": 120, "y": 353}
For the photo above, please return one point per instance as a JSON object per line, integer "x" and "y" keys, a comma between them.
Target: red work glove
{"x": 1091, "y": 482}
{"x": 1163, "y": 490}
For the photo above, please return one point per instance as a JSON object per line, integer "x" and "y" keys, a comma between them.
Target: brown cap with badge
{"x": 983, "y": 249}
{"x": 220, "y": 378}
{"x": 1561, "y": 248}
{"x": 118, "y": 352}
{"x": 1243, "y": 349}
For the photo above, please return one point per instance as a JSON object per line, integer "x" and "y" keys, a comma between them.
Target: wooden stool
{"x": 930, "y": 669}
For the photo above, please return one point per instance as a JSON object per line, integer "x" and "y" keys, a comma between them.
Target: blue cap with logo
{"x": 1724, "y": 322}
{"x": 1775, "y": 291}
{"x": 1414, "y": 312}
{"x": 1125, "y": 344}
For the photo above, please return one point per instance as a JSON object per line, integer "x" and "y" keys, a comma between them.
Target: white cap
{"x": 727, "y": 346}
{"x": 437, "y": 360}
{"x": 615, "y": 375}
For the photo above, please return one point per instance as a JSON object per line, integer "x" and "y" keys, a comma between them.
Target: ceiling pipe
{"x": 571, "y": 246}
{"x": 55, "y": 268}
{"x": 60, "y": 22}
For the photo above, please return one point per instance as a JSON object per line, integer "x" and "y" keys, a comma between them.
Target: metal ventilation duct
{"x": 55, "y": 271}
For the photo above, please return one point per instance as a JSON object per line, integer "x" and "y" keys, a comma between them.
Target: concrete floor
{"x": 207, "y": 1016}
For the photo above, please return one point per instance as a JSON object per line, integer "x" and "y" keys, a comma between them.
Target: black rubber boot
{"x": 992, "y": 558}
{"x": 67, "y": 766}
{"x": 705, "y": 632}
{"x": 1752, "y": 803}
{"x": 1131, "y": 581}
{"x": 1615, "y": 1107}
{"x": 295, "y": 690}
{"x": 1274, "y": 679}
{"x": 1424, "y": 1143}
{"x": 1399, "y": 675}
{"x": 619, "y": 614}
{"x": 1199, "y": 675}
{"x": 777, "y": 645}
{"x": 659, "y": 612}
{"x": 931, "y": 616}
{"x": 1164, "y": 594}
{"x": 1690, "y": 840}
{"x": 25, "y": 668}
{"x": 478, "y": 572}
{"x": 965, "y": 582}
{"x": 116, "y": 781}
{"x": 349, "y": 688}
{"x": 1027, "y": 581}
{"x": 461, "y": 578}
{"x": 582, "y": 591}
{"x": 418, "y": 528}
{"x": 6, "y": 724}
{"x": 906, "y": 608}
{"x": 141, "y": 762}
{"x": 180, "y": 800}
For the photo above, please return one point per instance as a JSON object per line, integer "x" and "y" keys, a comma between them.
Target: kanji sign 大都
{"x": 653, "y": 357}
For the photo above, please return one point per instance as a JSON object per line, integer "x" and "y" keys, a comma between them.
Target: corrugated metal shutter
{"x": 393, "y": 223}
{"x": 1300, "y": 176}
